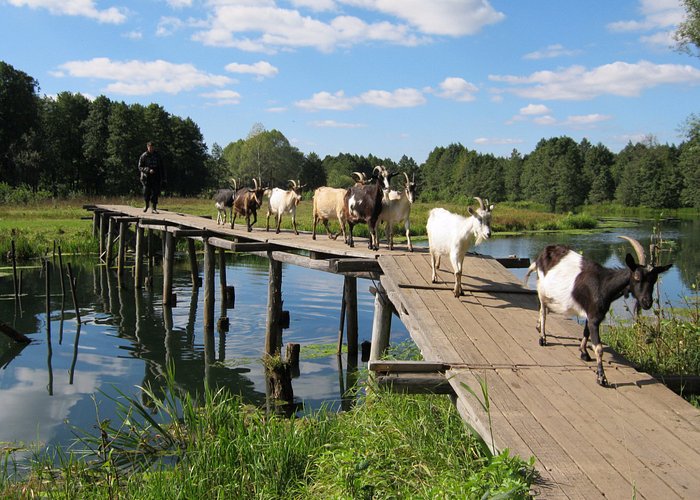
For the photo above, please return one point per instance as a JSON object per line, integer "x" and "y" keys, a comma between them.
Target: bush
{"x": 580, "y": 221}
{"x": 21, "y": 195}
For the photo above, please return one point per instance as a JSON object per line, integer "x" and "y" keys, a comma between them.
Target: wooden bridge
{"x": 635, "y": 439}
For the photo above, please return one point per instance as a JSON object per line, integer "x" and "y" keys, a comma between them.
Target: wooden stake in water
{"x": 72, "y": 282}
{"x": 14, "y": 271}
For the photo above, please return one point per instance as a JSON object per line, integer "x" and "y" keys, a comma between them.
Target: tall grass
{"x": 388, "y": 446}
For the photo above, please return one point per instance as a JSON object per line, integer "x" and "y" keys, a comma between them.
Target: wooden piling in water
{"x": 123, "y": 226}
{"x": 15, "y": 282}
{"x": 351, "y": 332}
{"x": 168, "y": 258}
{"x": 194, "y": 269}
{"x": 108, "y": 249}
{"x": 138, "y": 258}
{"x": 381, "y": 323}
{"x": 209, "y": 263}
{"x": 273, "y": 334}
{"x": 72, "y": 283}
{"x": 102, "y": 232}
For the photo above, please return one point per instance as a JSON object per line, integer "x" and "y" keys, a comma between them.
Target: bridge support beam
{"x": 194, "y": 269}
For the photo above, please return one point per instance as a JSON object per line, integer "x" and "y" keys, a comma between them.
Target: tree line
{"x": 70, "y": 145}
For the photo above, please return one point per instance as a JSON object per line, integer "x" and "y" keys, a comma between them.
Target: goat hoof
{"x": 602, "y": 380}
{"x": 585, "y": 356}
{"x": 543, "y": 341}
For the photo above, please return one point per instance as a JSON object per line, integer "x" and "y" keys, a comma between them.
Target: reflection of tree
{"x": 686, "y": 256}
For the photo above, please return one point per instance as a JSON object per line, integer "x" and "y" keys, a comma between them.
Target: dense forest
{"x": 67, "y": 145}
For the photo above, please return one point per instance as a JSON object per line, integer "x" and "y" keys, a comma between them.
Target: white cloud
{"x": 534, "y": 109}
{"x": 399, "y": 98}
{"x": 551, "y": 51}
{"x": 168, "y": 25}
{"x": 144, "y": 77}
{"x": 499, "y": 141}
{"x": 260, "y": 68}
{"x": 457, "y": 89}
{"x": 586, "y": 120}
{"x": 83, "y": 8}
{"x": 658, "y": 16}
{"x": 262, "y": 26}
{"x": 223, "y": 97}
{"x": 179, "y": 4}
{"x": 544, "y": 120}
{"x": 442, "y": 17}
{"x": 618, "y": 78}
{"x": 334, "y": 124}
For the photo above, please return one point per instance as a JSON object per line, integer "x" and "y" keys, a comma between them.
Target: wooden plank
{"x": 414, "y": 383}
{"x": 394, "y": 366}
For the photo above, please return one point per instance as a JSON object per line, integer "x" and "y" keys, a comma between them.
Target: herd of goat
{"x": 568, "y": 283}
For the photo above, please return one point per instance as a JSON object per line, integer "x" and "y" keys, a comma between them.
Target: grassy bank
{"x": 388, "y": 446}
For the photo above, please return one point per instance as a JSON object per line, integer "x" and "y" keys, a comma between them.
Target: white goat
{"x": 452, "y": 234}
{"x": 329, "y": 203}
{"x": 396, "y": 208}
{"x": 284, "y": 201}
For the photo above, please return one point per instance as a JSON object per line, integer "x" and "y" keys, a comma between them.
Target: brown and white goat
{"x": 569, "y": 283}
{"x": 284, "y": 201}
{"x": 364, "y": 204}
{"x": 247, "y": 202}
{"x": 397, "y": 209}
{"x": 329, "y": 203}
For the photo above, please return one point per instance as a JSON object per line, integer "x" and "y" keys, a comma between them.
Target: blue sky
{"x": 382, "y": 77}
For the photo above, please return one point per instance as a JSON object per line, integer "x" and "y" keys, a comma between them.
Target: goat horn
{"x": 481, "y": 203}
{"x": 360, "y": 175}
{"x": 293, "y": 183}
{"x": 377, "y": 167}
{"x": 406, "y": 176}
{"x": 255, "y": 181}
{"x": 638, "y": 249}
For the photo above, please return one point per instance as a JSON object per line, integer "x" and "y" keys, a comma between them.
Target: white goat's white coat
{"x": 281, "y": 202}
{"x": 452, "y": 235}
{"x": 396, "y": 208}
{"x": 555, "y": 289}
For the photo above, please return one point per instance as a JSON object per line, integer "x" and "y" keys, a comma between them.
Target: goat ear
{"x": 663, "y": 269}
{"x": 631, "y": 263}
{"x": 473, "y": 212}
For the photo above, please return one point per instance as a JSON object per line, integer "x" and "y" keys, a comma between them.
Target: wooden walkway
{"x": 635, "y": 439}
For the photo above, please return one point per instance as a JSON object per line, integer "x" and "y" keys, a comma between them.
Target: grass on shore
{"x": 388, "y": 446}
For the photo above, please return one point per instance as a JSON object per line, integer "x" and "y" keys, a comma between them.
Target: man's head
{"x": 149, "y": 146}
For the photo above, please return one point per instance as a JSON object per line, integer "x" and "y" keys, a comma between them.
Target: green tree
{"x": 19, "y": 115}
{"x": 687, "y": 34}
{"x": 187, "y": 174}
{"x": 512, "y": 173}
{"x": 597, "y": 164}
{"x": 94, "y": 145}
{"x": 689, "y": 163}
{"x": 124, "y": 147}
{"x": 312, "y": 173}
{"x": 63, "y": 120}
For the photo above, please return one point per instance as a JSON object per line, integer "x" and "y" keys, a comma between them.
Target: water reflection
{"x": 127, "y": 339}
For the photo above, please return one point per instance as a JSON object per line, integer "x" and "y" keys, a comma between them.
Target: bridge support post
{"x": 381, "y": 324}
{"x": 209, "y": 263}
{"x": 138, "y": 262}
{"x": 273, "y": 334}
{"x": 194, "y": 269}
{"x": 168, "y": 257}
{"x": 108, "y": 250}
{"x": 123, "y": 226}
{"x": 103, "y": 231}
{"x": 350, "y": 292}
{"x": 222, "y": 280}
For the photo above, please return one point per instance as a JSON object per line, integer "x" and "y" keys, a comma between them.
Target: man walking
{"x": 152, "y": 176}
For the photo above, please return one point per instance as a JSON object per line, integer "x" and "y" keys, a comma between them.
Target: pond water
{"x": 127, "y": 338}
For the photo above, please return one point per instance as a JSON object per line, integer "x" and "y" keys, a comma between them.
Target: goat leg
{"x": 595, "y": 338}
{"x": 584, "y": 344}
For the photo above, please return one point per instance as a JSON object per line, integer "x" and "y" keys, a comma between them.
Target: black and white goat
{"x": 397, "y": 209}
{"x": 453, "y": 234}
{"x": 284, "y": 201}
{"x": 223, "y": 201}
{"x": 569, "y": 283}
{"x": 364, "y": 204}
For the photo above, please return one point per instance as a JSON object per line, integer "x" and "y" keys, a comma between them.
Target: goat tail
{"x": 530, "y": 270}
